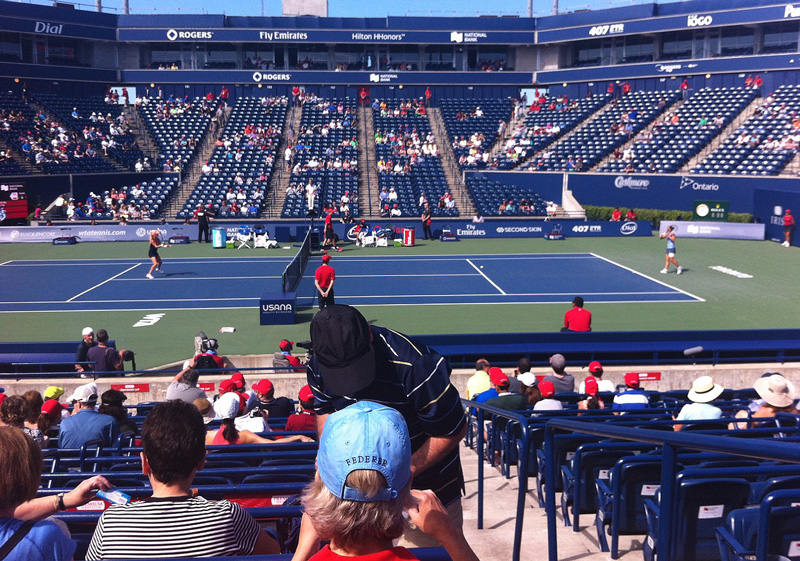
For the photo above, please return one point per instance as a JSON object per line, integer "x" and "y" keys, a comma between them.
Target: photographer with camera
{"x": 105, "y": 358}
{"x": 206, "y": 356}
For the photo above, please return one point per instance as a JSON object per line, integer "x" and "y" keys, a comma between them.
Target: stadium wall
{"x": 768, "y": 208}
{"x": 663, "y": 192}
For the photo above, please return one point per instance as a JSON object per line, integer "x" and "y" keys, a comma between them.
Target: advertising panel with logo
{"x": 277, "y": 308}
{"x": 13, "y": 204}
{"x": 710, "y": 210}
{"x": 770, "y": 209}
{"x": 717, "y": 230}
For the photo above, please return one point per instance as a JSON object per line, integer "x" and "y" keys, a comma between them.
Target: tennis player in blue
{"x": 670, "y": 236}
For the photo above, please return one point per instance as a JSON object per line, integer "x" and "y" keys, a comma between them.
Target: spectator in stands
{"x": 50, "y": 418}
{"x": 596, "y": 372}
{"x": 111, "y": 404}
{"x": 305, "y": 419}
{"x": 479, "y": 382}
{"x": 35, "y": 401}
{"x": 81, "y": 354}
{"x": 561, "y": 380}
{"x": 359, "y": 507}
{"x": 228, "y": 433}
{"x": 356, "y": 361}
{"x": 547, "y": 403}
{"x": 284, "y": 359}
{"x": 184, "y": 386}
{"x": 105, "y": 358}
{"x": 631, "y": 398}
{"x": 267, "y": 404}
{"x": 498, "y": 382}
{"x": 590, "y": 389}
{"x": 173, "y": 442}
{"x": 508, "y": 399}
{"x": 523, "y": 366}
{"x": 85, "y": 424}
{"x": 578, "y": 318}
{"x": 21, "y": 468}
{"x": 13, "y": 412}
{"x": 703, "y": 392}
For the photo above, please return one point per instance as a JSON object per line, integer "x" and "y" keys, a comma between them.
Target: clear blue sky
{"x": 361, "y": 8}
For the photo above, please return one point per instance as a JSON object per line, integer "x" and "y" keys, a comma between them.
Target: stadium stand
{"x": 548, "y": 119}
{"x": 677, "y": 138}
{"x": 602, "y": 134}
{"x": 236, "y": 177}
{"x": 764, "y": 144}
{"x": 102, "y": 124}
{"x": 493, "y": 198}
{"x": 178, "y": 127}
{"x": 326, "y": 152}
{"x": 409, "y": 164}
{"x": 473, "y": 126}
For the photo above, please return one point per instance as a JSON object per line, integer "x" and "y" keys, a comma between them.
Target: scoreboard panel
{"x": 13, "y": 204}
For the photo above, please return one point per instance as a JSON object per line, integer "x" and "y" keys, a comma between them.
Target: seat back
{"x": 636, "y": 482}
{"x": 702, "y": 505}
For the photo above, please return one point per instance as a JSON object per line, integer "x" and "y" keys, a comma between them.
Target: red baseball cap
{"x": 590, "y": 385}
{"x": 497, "y": 377}
{"x": 595, "y": 366}
{"x": 305, "y": 393}
{"x": 546, "y": 388}
{"x": 326, "y": 258}
{"x": 263, "y": 386}
{"x": 286, "y": 345}
{"x": 238, "y": 380}
{"x": 632, "y": 379}
{"x": 50, "y": 406}
{"x": 226, "y": 386}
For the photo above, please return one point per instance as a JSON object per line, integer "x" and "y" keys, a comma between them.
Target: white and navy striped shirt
{"x": 173, "y": 527}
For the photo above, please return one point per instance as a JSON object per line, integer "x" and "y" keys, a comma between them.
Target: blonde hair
{"x": 349, "y": 522}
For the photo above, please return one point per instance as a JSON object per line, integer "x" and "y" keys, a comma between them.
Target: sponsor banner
{"x": 666, "y": 192}
{"x": 87, "y": 233}
{"x": 672, "y": 23}
{"x": 719, "y": 230}
{"x": 649, "y": 376}
{"x": 131, "y": 388}
{"x": 209, "y": 387}
{"x": 756, "y": 63}
{"x": 51, "y": 28}
{"x": 539, "y": 228}
{"x": 277, "y": 308}
{"x": 371, "y": 36}
{"x": 325, "y": 77}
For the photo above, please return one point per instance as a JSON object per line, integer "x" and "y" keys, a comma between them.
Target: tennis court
{"x": 238, "y": 282}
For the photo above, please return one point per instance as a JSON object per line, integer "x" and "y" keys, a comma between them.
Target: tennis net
{"x": 294, "y": 271}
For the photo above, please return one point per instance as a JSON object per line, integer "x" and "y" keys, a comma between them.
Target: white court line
{"x": 649, "y": 278}
{"x": 490, "y": 281}
{"x": 102, "y": 283}
{"x": 6, "y": 263}
{"x": 198, "y": 278}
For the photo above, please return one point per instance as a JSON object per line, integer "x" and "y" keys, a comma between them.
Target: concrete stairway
{"x": 367, "y": 163}
{"x": 452, "y": 173}
{"x": 276, "y": 192}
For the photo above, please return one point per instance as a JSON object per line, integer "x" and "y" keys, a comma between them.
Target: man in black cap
{"x": 353, "y": 361}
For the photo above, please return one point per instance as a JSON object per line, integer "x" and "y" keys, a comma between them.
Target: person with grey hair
{"x": 562, "y": 381}
{"x": 362, "y": 492}
{"x": 184, "y": 386}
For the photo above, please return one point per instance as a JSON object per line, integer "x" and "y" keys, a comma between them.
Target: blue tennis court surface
{"x": 219, "y": 282}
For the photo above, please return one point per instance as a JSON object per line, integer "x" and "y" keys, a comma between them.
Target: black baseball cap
{"x": 343, "y": 349}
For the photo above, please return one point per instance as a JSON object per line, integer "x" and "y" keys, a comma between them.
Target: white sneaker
{"x": 680, "y": 270}
{"x": 663, "y": 271}
{"x": 785, "y": 244}
{"x": 149, "y": 276}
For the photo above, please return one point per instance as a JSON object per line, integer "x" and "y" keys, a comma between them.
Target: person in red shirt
{"x": 428, "y": 96}
{"x": 286, "y": 347}
{"x": 616, "y": 216}
{"x": 305, "y": 419}
{"x": 323, "y": 280}
{"x": 788, "y": 228}
{"x": 330, "y": 235}
{"x": 630, "y": 215}
{"x": 578, "y": 318}
{"x": 685, "y": 88}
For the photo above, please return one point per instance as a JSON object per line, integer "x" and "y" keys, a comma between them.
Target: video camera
{"x": 203, "y": 344}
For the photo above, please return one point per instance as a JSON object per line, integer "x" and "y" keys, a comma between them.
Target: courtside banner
{"x": 719, "y": 230}
{"x": 100, "y": 233}
{"x": 539, "y": 228}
